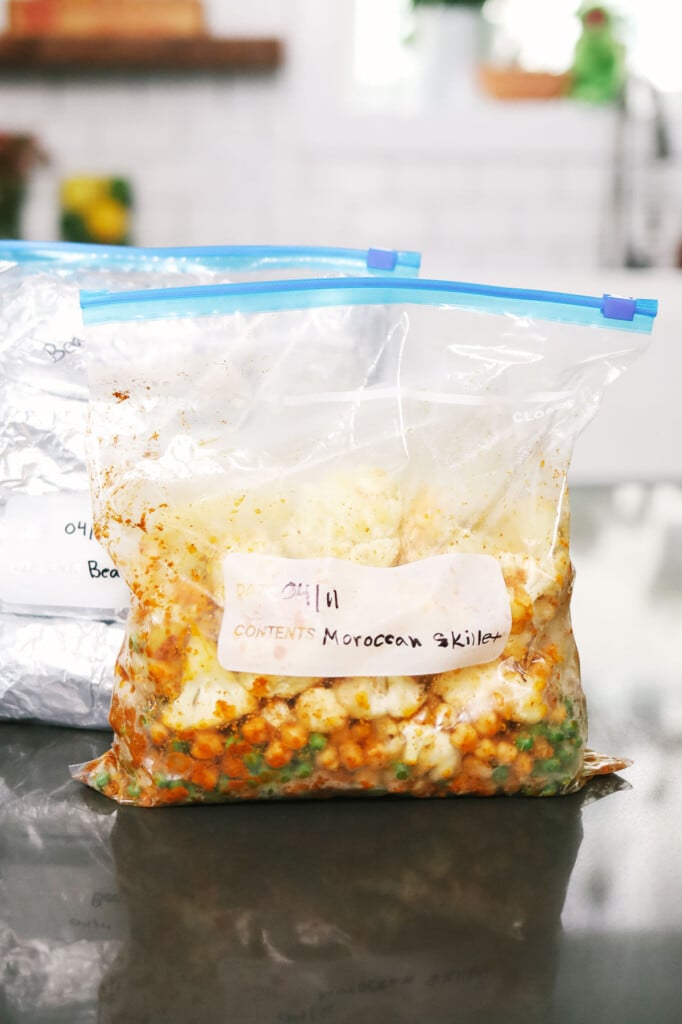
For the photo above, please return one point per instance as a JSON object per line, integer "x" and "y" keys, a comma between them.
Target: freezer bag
{"x": 58, "y": 589}
{"x": 341, "y": 509}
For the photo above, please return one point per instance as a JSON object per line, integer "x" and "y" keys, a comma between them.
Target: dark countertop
{"x": 500, "y": 910}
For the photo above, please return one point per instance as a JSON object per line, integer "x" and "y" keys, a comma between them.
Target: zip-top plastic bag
{"x": 341, "y": 508}
{"x": 58, "y": 590}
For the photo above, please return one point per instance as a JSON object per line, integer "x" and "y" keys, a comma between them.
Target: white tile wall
{"x": 233, "y": 159}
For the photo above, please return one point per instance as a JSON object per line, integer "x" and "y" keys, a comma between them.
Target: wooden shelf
{"x": 199, "y": 53}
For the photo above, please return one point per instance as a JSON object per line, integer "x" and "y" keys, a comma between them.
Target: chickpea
{"x": 464, "y": 737}
{"x": 488, "y": 724}
{"x": 506, "y": 752}
{"x": 350, "y": 755}
{"x": 375, "y": 753}
{"x": 558, "y": 714}
{"x": 361, "y": 731}
{"x": 523, "y": 765}
{"x": 486, "y": 750}
{"x": 205, "y": 776}
{"x": 328, "y": 759}
{"x": 542, "y": 748}
{"x": 534, "y": 710}
{"x": 158, "y": 734}
{"x": 207, "y": 745}
{"x": 475, "y": 768}
{"x": 256, "y": 730}
{"x": 277, "y": 755}
{"x": 293, "y": 736}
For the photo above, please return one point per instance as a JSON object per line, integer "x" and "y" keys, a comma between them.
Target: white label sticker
{"x": 328, "y": 617}
{"x": 50, "y": 558}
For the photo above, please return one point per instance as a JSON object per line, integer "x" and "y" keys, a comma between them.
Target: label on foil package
{"x": 49, "y": 557}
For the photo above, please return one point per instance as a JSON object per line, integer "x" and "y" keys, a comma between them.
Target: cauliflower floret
{"x": 536, "y": 588}
{"x": 431, "y": 750}
{"x": 473, "y": 691}
{"x": 373, "y": 697}
{"x": 211, "y": 696}
{"x": 276, "y": 686}
{"x": 429, "y": 529}
{"x": 391, "y": 736}
{"x": 531, "y": 710}
{"x": 276, "y": 713}
{"x": 464, "y": 688}
{"x": 355, "y": 517}
{"x": 209, "y": 703}
{"x": 319, "y": 710}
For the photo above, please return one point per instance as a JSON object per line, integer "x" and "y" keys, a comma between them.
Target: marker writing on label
{"x": 469, "y": 638}
{"x": 369, "y": 639}
{"x": 56, "y": 354}
{"x": 72, "y": 528}
{"x": 104, "y": 572}
{"x": 317, "y": 596}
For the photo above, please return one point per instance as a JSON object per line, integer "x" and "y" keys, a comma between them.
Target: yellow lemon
{"x": 107, "y": 221}
{"x": 78, "y": 194}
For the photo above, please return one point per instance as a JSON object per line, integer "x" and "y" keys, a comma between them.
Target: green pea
{"x": 302, "y": 771}
{"x": 500, "y": 774}
{"x": 551, "y": 789}
{"x": 163, "y": 782}
{"x": 565, "y": 754}
{"x": 402, "y": 771}
{"x": 555, "y": 736}
{"x": 552, "y": 766}
{"x": 102, "y": 780}
{"x": 181, "y": 746}
{"x": 524, "y": 742}
{"x": 134, "y": 790}
{"x": 285, "y": 777}
{"x": 231, "y": 739}
{"x": 317, "y": 741}
{"x": 254, "y": 763}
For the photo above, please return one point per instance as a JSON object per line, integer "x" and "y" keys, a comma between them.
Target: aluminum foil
{"x": 57, "y": 670}
{"x": 58, "y": 667}
{"x": 56, "y": 663}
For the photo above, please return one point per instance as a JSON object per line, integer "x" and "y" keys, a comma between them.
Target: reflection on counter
{"x": 537, "y": 911}
{"x": 312, "y": 911}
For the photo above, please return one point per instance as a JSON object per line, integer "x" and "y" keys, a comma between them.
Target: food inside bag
{"x": 341, "y": 509}
{"x": 59, "y": 591}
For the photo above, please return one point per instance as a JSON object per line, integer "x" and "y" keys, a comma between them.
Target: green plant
{"x": 19, "y": 155}
{"x": 448, "y": 3}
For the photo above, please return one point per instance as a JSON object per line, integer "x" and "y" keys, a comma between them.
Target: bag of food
{"x": 341, "y": 509}
{"x": 59, "y": 593}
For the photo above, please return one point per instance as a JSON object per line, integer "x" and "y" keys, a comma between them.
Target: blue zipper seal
{"x": 270, "y": 296}
{"x": 243, "y": 257}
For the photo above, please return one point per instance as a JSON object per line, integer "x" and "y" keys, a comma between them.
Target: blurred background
{"x": 532, "y": 142}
